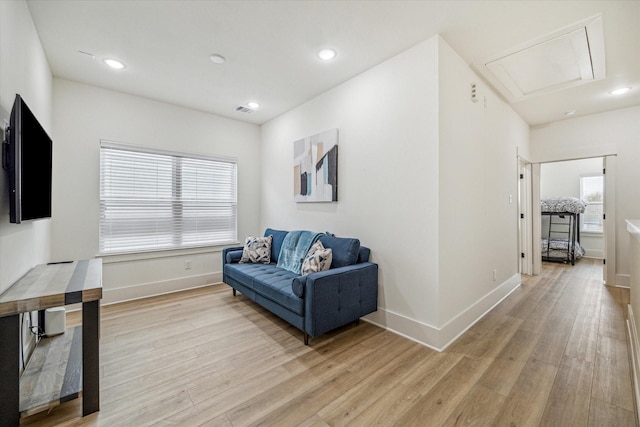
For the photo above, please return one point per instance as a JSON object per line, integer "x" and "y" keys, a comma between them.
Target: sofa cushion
{"x": 318, "y": 259}
{"x": 233, "y": 256}
{"x": 276, "y": 244}
{"x": 269, "y": 281}
{"x": 257, "y": 250}
{"x": 344, "y": 249}
{"x": 363, "y": 254}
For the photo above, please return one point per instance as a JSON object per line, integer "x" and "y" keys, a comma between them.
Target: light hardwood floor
{"x": 553, "y": 353}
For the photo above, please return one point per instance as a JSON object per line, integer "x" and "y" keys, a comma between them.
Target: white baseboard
{"x": 146, "y": 290}
{"x": 635, "y": 362}
{"x": 440, "y": 338}
{"x": 412, "y": 329}
{"x": 593, "y": 253}
{"x": 623, "y": 280}
{"x": 420, "y": 332}
{"x": 457, "y": 326}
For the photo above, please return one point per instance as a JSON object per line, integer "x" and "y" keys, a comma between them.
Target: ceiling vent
{"x": 244, "y": 109}
{"x": 565, "y": 58}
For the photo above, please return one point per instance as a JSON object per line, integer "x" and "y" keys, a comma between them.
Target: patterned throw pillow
{"x": 257, "y": 250}
{"x": 318, "y": 259}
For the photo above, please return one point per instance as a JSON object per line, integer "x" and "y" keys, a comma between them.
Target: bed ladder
{"x": 570, "y": 234}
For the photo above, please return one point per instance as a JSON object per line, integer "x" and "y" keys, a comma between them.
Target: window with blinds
{"x": 157, "y": 200}
{"x": 592, "y": 193}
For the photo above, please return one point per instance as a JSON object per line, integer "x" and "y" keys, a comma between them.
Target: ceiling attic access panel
{"x": 565, "y": 58}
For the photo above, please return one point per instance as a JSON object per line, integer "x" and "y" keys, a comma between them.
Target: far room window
{"x": 157, "y": 200}
{"x": 592, "y": 192}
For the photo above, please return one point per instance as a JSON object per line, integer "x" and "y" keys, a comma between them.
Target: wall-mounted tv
{"x": 27, "y": 157}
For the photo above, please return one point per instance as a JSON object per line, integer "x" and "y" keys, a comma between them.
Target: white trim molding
{"x": 146, "y": 290}
{"x": 623, "y": 280}
{"x": 457, "y": 326}
{"x": 440, "y": 338}
{"x": 635, "y": 362}
{"x": 417, "y": 331}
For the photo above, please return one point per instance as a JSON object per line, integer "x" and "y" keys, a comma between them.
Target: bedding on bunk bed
{"x": 563, "y": 205}
{"x": 557, "y": 248}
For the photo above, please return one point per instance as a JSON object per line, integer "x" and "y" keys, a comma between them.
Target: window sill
{"x": 168, "y": 253}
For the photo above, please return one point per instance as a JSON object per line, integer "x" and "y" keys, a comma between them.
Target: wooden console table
{"x": 43, "y": 287}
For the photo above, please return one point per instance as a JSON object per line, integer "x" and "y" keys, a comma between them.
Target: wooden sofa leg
{"x": 234, "y": 292}
{"x": 357, "y": 321}
{"x": 306, "y": 338}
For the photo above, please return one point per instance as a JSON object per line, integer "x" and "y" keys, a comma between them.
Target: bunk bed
{"x": 561, "y": 238}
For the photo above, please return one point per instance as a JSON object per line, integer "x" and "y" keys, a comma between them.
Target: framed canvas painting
{"x": 315, "y": 168}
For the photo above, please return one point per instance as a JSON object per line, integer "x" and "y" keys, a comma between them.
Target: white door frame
{"x": 536, "y": 219}
{"x": 524, "y": 221}
{"x": 609, "y": 270}
{"x": 609, "y": 170}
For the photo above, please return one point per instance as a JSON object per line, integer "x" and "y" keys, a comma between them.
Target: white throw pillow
{"x": 318, "y": 259}
{"x": 257, "y": 250}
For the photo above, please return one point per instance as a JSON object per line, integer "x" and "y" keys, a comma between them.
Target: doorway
{"x": 588, "y": 179}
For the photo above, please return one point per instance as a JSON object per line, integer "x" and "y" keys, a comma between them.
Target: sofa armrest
{"x": 338, "y": 296}
{"x": 232, "y": 255}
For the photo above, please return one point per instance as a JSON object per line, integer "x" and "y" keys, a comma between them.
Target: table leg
{"x": 10, "y": 370}
{"x": 90, "y": 357}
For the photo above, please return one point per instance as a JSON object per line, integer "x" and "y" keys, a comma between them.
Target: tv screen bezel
{"x": 21, "y": 150}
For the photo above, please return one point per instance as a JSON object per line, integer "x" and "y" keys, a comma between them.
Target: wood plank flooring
{"x": 54, "y": 373}
{"x": 553, "y": 353}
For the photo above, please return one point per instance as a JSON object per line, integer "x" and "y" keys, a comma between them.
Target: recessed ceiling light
{"x": 217, "y": 59}
{"x": 114, "y": 63}
{"x": 326, "y": 54}
{"x": 570, "y": 113}
{"x": 253, "y": 105}
{"x": 620, "y": 91}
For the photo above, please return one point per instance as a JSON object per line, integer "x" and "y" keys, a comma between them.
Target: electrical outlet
{"x": 187, "y": 264}
{"x": 495, "y": 275}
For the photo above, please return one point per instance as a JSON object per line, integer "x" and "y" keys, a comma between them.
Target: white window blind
{"x": 591, "y": 192}
{"x": 155, "y": 200}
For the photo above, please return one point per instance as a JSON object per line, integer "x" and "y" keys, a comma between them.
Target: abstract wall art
{"x": 315, "y": 168}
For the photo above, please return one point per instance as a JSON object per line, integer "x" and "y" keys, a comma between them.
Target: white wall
{"x": 394, "y": 122}
{"x": 83, "y": 115}
{"x": 479, "y": 145}
{"x": 387, "y": 175}
{"x": 23, "y": 70}
{"x": 614, "y": 132}
{"x": 560, "y": 179}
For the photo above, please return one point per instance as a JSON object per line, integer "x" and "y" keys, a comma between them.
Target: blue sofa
{"x": 316, "y": 303}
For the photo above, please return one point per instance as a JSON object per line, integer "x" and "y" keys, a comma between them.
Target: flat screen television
{"x": 27, "y": 157}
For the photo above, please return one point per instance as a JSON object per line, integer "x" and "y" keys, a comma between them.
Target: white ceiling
{"x": 270, "y": 47}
